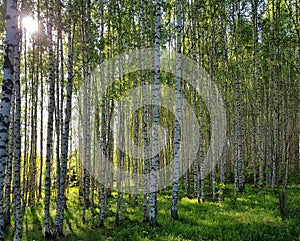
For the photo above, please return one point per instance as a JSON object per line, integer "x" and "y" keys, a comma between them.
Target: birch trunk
{"x": 41, "y": 107}
{"x": 176, "y": 164}
{"x": 9, "y": 165}
{"x": 145, "y": 122}
{"x": 24, "y": 177}
{"x": 33, "y": 159}
{"x": 156, "y": 102}
{"x": 120, "y": 179}
{"x": 135, "y": 151}
{"x": 61, "y": 198}
{"x": 103, "y": 145}
{"x": 11, "y": 26}
{"x": 87, "y": 121}
{"x": 104, "y": 161}
{"x": 50, "y": 124}
{"x": 17, "y": 147}
{"x": 238, "y": 179}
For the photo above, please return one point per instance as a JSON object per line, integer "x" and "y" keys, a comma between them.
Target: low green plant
{"x": 253, "y": 216}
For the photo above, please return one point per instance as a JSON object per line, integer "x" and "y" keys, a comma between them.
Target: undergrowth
{"x": 253, "y": 216}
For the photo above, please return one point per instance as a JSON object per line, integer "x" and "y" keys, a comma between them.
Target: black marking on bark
{"x": 8, "y": 64}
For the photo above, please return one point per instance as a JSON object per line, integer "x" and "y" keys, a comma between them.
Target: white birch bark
{"x": 145, "y": 121}
{"x": 24, "y": 177}
{"x": 224, "y": 57}
{"x": 87, "y": 121}
{"x": 201, "y": 125}
{"x": 17, "y": 147}
{"x": 57, "y": 111}
{"x": 213, "y": 73}
{"x": 104, "y": 160}
{"x": 256, "y": 57}
{"x": 136, "y": 143}
{"x": 103, "y": 146}
{"x": 50, "y": 124}
{"x": 237, "y": 130}
{"x": 41, "y": 98}
{"x": 120, "y": 178}
{"x": 9, "y": 165}
{"x": 156, "y": 100}
{"x": 176, "y": 164}
{"x": 61, "y": 198}
{"x": 11, "y": 26}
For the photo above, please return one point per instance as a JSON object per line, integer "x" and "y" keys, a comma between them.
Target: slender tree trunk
{"x": 201, "y": 118}
{"x": 176, "y": 164}
{"x": 136, "y": 144}
{"x": 11, "y": 44}
{"x": 103, "y": 171}
{"x": 24, "y": 178}
{"x": 224, "y": 58}
{"x": 103, "y": 145}
{"x": 41, "y": 106}
{"x": 214, "y": 65}
{"x": 17, "y": 147}
{"x": 61, "y": 198}
{"x": 50, "y": 124}
{"x": 156, "y": 100}
{"x": 145, "y": 121}
{"x": 86, "y": 123}
{"x": 120, "y": 162}
{"x": 9, "y": 165}
{"x": 33, "y": 159}
{"x": 57, "y": 107}
{"x": 238, "y": 180}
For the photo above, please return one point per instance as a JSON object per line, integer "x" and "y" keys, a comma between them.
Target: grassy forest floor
{"x": 253, "y": 216}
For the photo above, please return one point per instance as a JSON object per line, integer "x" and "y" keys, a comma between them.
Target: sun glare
{"x": 30, "y": 25}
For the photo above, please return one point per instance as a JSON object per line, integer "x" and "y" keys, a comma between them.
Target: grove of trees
{"x": 60, "y": 128}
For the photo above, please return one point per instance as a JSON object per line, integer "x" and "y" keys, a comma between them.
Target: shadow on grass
{"x": 253, "y": 216}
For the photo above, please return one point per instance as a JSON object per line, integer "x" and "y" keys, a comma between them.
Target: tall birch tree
{"x": 11, "y": 44}
{"x": 50, "y": 122}
{"x": 176, "y": 163}
{"x": 156, "y": 102}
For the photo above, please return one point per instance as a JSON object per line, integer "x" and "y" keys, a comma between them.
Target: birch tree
{"x": 61, "y": 198}
{"x": 50, "y": 123}
{"x": 103, "y": 134}
{"x": 61, "y": 203}
{"x": 11, "y": 43}
{"x": 9, "y": 165}
{"x": 86, "y": 124}
{"x": 17, "y": 146}
{"x": 41, "y": 99}
{"x": 145, "y": 119}
{"x": 237, "y": 129}
{"x": 176, "y": 164}
{"x": 156, "y": 102}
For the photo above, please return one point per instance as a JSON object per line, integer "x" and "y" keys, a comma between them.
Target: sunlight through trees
{"x": 116, "y": 106}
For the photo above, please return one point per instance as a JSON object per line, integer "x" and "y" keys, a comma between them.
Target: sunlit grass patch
{"x": 253, "y": 216}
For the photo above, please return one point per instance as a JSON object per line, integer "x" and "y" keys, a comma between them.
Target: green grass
{"x": 253, "y": 216}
